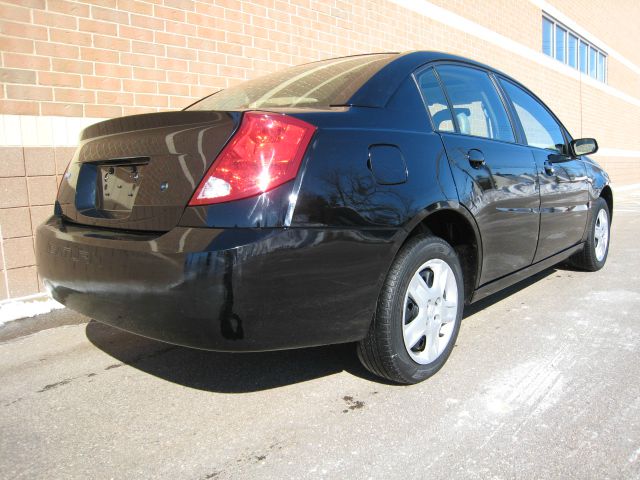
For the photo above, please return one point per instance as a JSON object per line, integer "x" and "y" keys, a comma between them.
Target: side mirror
{"x": 584, "y": 146}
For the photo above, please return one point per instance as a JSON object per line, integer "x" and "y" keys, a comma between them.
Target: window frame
{"x": 490, "y": 73}
{"x": 565, "y": 133}
{"x": 568, "y": 32}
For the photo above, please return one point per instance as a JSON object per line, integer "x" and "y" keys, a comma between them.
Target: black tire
{"x": 383, "y": 350}
{"x": 587, "y": 258}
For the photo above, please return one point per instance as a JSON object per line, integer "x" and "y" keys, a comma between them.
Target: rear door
{"x": 564, "y": 190}
{"x": 496, "y": 177}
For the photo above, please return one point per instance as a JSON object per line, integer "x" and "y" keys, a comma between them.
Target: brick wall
{"x": 66, "y": 63}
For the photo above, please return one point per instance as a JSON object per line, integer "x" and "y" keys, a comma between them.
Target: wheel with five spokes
{"x": 418, "y": 314}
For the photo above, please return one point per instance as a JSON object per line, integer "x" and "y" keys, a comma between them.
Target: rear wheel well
{"x": 455, "y": 229}
{"x": 607, "y": 194}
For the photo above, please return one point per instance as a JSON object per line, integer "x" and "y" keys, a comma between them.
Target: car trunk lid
{"x": 139, "y": 172}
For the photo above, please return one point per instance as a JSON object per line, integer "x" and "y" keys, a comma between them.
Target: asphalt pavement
{"x": 543, "y": 383}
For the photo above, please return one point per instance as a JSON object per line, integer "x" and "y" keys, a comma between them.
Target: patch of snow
{"x": 25, "y": 307}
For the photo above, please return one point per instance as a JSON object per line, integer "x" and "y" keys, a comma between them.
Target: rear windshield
{"x": 318, "y": 84}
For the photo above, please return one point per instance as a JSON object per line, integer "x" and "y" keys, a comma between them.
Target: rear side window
{"x": 317, "y": 84}
{"x": 476, "y": 104}
{"x": 435, "y": 100}
{"x": 540, "y": 128}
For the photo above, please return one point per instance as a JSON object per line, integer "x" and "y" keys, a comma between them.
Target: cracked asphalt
{"x": 543, "y": 383}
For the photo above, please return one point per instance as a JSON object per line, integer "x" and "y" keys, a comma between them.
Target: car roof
{"x": 377, "y": 91}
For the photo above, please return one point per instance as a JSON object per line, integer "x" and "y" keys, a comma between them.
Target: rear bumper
{"x": 220, "y": 289}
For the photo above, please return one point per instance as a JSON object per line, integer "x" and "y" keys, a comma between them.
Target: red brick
{"x": 62, "y": 109}
{"x": 149, "y": 74}
{"x": 178, "y": 103}
{"x": 94, "y": 26}
{"x": 205, "y": 20}
{"x": 55, "y": 20}
{"x": 136, "y": 33}
{"x": 137, "y": 110}
{"x": 204, "y": 9}
{"x": 139, "y": 86}
{"x": 148, "y": 48}
{"x": 101, "y": 83}
{"x": 139, "y": 60}
{"x": 197, "y": 91}
{"x": 9, "y": 75}
{"x": 102, "y": 111}
{"x": 112, "y": 70}
{"x": 211, "y": 34}
{"x": 135, "y": 7}
{"x": 147, "y": 22}
{"x": 19, "y": 60}
{"x": 172, "y": 64}
{"x": 202, "y": 43}
{"x": 170, "y": 39}
{"x": 150, "y": 100}
{"x": 111, "y": 43}
{"x": 74, "y": 95}
{"x": 182, "y": 77}
{"x": 29, "y": 92}
{"x": 230, "y": 49}
{"x": 60, "y": 50}
{"x": 69, "y": 36}
{"x": 15, "y": 12}
{"x": 109, "y": 15}
{"x": 28, "y": 3}
{"x": 17, "y": 45}
{"x": 99, "y": 55}
{"x": 115, "y": 98}
{"x": 169, "y": 13}
{"x": 210, "y": 60}
{"x": 58, "y": 79}
{"x": 184, "y": 53}
{"x": 72, "y": 66}
{"x": 173, "y": 89}
{"x": 181, "y": 4}
{"x": 179, "y": 28}
{"x": 70, "y": 8}
{"x": 211, "y": 81}
{"x": 24, "y": 30}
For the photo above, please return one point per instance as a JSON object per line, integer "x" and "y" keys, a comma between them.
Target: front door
{"x": 563, "y": 180}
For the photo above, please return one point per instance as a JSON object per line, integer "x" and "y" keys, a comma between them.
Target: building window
{"x": 568, "y": 47}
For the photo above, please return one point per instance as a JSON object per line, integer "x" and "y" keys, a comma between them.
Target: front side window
{"x": 540, "y": 128}
{"x": 436, "y": 101}
{"x": 477, "y": 107}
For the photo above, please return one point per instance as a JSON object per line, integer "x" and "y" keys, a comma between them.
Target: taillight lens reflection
{"x": 264, "y": 153}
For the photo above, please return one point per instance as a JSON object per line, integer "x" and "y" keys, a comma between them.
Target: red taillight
{"x": 265, "y": 152}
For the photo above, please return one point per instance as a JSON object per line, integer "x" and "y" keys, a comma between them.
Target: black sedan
{"x": 360, "y": 199}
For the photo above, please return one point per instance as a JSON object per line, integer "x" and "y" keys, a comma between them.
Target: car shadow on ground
{"x": 245, "y": 372}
